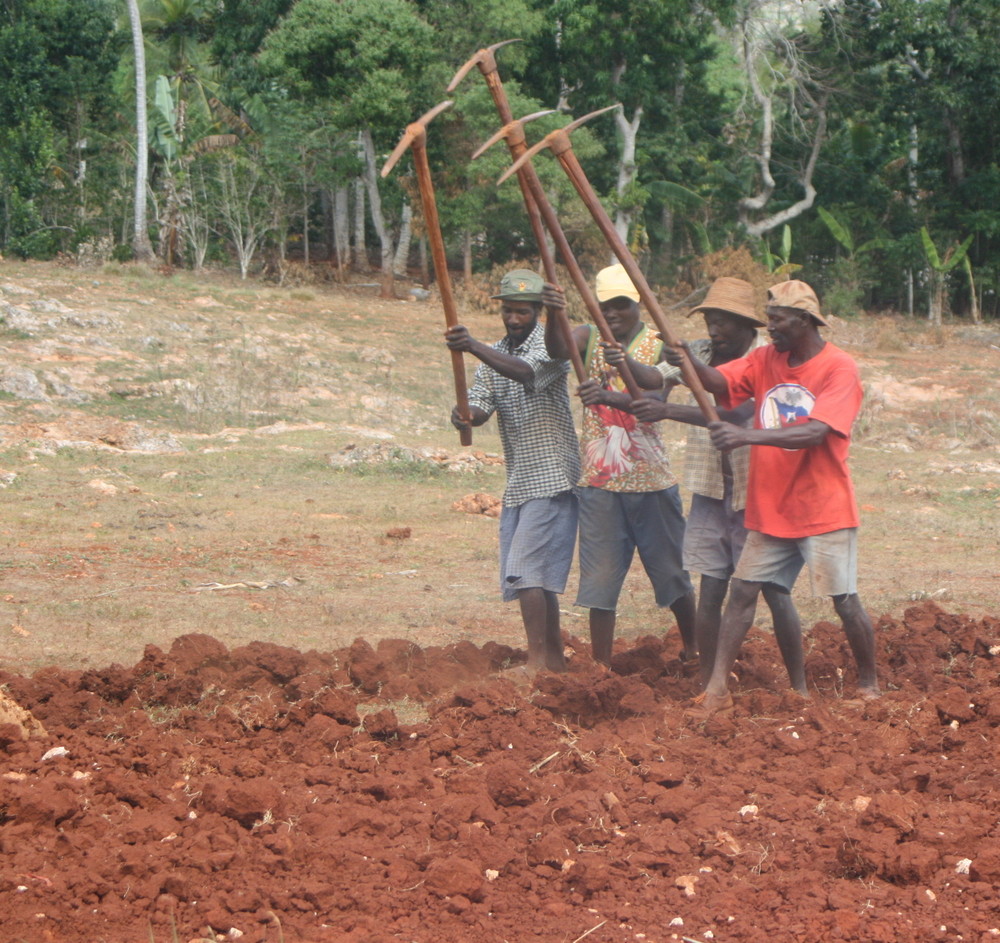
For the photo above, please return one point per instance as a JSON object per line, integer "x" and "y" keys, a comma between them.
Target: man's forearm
{"x": 649, "y": 378}
{"x": 555, "y": 340}
{"x": 507, "y": 365}
{"x": 711, "y": 379}
{"x": 803, "y": 436}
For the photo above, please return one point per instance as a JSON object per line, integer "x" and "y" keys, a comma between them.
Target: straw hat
{"x": 796, "y": 294}
{"x": 732, "y": 295}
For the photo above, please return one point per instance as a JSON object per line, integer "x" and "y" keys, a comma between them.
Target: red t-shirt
{"x": 799, "y": 492}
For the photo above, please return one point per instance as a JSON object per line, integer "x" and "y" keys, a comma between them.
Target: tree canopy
{"x": 859, "y": 134}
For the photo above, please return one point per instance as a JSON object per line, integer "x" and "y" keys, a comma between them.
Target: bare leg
{"x": 788, "y": 635}
{"x": 685, "y": 611}
{"x": 861, "y": 637}
{"x": 602, "y": 634}
{"x": 711, "y": 595}
{"x": 736, "y": 622}
{"x": 540, "y": 613}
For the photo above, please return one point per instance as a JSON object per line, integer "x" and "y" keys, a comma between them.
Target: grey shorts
{"x": 536, "y": 544}
{"x": 613, "y": 525}
{"x": 832, "y": 560}
{"x": 714, "y": 537}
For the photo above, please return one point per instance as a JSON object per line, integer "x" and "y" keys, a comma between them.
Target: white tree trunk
{"x": 360, "y": 248}
{"x": 754, "y": 42}
{"x": 466, "y": 255}
{"x": 140, "y": 240}
{"x": 629, "y": 130}
{"x": 973, "y": 299}
{"x": 342, "y": 226}
{"x": 400, "y": 263}
{"x": 378, "y": 219}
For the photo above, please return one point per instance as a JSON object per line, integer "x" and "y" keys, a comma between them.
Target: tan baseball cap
{"x": 613, "y": 282}
{"x": 796, "y": 294}
{"x": 733, "y": 295}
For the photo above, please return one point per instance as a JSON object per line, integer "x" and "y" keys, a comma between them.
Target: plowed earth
{"x": 269, "y": 794}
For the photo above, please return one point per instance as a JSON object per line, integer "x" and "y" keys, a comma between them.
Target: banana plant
{"x": 941, "y": 266}
{"x": 780, "y": 265}
{"x": 843, "y": 235}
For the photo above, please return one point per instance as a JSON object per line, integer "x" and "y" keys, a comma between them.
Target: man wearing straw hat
{"x": 526, "y": 388}
{"x": 715, "y": 531}
{"x": 629, "y": 497}
{"x": 801, "y": 507}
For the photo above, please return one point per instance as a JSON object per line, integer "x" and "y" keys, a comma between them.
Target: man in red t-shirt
{"x": 800, "y": 498}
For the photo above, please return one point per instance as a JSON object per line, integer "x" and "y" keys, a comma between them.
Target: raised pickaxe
{"x": 415, "y": 137}
{"x": 513, "y": 131}
{"x": 487, "y": 63}
{"x": 558, "y": 142}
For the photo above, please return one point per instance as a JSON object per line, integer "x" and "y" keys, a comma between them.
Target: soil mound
{"x": 405, "y": 793}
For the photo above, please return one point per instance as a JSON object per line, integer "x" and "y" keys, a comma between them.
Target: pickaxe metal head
{"x": 484, "y": 58}
{"x": 513, "y": 131}
{"x": 415, "y": 133}
{"x": 558, "y": 140}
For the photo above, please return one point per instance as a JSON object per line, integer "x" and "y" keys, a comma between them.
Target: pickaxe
{"x": 513, "y": 131}
{"x": 559, "y": 143}
{"x": 415, "y": 137}
{"x": 487, "y": 63}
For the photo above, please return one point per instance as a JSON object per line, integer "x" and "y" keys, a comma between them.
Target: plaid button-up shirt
{"x": 535, "y": 421}
{"x": 704, "y": 470}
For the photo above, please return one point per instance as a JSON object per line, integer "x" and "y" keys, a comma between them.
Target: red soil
{"x": 261, "y": 803}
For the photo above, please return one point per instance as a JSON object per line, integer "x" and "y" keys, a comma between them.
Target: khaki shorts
{"x": 832, "y": 560}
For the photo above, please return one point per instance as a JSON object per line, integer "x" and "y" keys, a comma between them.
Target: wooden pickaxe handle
{"x": 486, "y": 61}
{"x": 513, "y": 132}
{"x": 559, "y": 143}
{"x": 414, "y": 137}
{"x": 579, "y": 179}
{"x": 429, "y": 205}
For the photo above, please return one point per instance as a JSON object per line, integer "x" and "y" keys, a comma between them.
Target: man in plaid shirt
{"x": 526, "y": 388}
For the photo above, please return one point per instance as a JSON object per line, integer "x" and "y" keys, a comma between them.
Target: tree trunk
{"x": 466, "y": 256}
{"x": 140, "y": 239}
{"x": 425, "y": 271}
{"x": 378, "y": 219}
{"x": 400, "y": 263}
{"x": 627, "y": 169}
{"x": 342, "y": 226}
{"x": 360, "y": 249}
{"x": 936, "y": 297}
{"x": 305, "y": 213}
{"x": 974, "y": 312}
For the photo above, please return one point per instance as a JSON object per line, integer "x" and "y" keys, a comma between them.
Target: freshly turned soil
{"x": 270, "y": 794}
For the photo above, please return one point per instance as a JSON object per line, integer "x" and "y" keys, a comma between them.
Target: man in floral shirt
{"x": 629, "y": 497}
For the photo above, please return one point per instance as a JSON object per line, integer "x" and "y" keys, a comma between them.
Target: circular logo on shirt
{"x": 786, "y": 404}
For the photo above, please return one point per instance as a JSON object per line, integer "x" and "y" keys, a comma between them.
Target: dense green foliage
{"x": 878, "y": 165}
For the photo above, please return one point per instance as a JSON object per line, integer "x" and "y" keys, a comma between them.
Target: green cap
{"x": 521, "y": 284}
